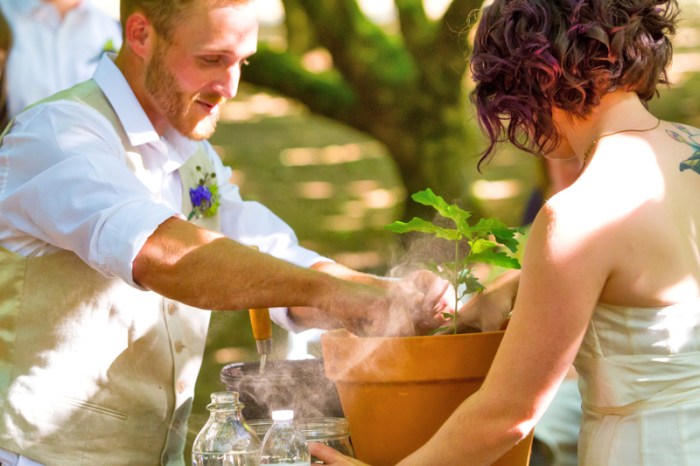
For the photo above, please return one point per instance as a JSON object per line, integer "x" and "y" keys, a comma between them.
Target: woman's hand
{"x": 331, "y": 456}
{"x": 488, "y": 310}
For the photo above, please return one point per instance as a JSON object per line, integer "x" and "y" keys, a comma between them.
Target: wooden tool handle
{"x": 261, "y": 324}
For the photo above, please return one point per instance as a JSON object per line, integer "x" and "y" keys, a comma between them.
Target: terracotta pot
{"x": 396, "y": 392}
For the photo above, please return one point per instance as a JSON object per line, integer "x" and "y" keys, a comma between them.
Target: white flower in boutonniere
{"x": 205, "y": 196}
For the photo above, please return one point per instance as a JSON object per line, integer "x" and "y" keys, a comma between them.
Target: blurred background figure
{"x": 55, "y": 44}
{"x": 5, "y": 44}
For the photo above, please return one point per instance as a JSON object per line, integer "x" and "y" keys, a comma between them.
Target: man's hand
{"x": 398, "y": 307}
{"x": 415, "y": 305}
{"x": 425, "y": 297}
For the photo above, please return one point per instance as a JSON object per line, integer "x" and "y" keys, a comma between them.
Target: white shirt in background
{"x": 48, "y": 53}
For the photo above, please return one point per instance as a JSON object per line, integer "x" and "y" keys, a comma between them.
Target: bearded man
{"x": 119, "y": 227}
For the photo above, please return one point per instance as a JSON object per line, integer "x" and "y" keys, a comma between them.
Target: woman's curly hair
{"x": 534, "y": 55}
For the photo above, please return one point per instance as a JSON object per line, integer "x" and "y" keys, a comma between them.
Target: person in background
{"x": 56, "y": 44}
{"x": 119, "y": 226}
{"x": 5, "y": 45}
{"x": 610, "y": 279}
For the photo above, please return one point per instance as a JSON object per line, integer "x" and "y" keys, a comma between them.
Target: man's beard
{"x": 175, "y": 104}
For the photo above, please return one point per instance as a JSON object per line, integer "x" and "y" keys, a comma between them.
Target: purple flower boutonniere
{"x": 205, "y": 196}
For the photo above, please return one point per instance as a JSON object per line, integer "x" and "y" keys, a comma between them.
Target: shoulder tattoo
{"x": 691, "y": 137}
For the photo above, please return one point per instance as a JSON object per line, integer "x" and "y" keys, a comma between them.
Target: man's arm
{"x": 420, "y": 286}
{"x": 205, "y": 269}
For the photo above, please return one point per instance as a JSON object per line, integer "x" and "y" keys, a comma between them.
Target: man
{"x": 99, "y": 349}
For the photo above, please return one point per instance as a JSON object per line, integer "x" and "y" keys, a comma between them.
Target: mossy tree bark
{"x": 406, "y": 90}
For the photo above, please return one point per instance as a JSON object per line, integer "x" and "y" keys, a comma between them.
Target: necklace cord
{"x": 594, "y": 143}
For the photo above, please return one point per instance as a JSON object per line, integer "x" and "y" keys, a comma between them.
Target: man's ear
{"x": 139, "y": 34}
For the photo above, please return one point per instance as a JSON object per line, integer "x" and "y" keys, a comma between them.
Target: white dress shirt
{"x": 64, "y": 185}
{"x": 50, "y": 53}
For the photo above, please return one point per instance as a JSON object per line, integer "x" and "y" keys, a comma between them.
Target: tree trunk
{"x": 408, "y": 94}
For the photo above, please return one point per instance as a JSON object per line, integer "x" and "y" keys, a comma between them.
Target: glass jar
{"x": 331, "y": 431}
{"x": 226, "y": 439}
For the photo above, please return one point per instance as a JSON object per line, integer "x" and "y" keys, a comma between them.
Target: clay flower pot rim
{"x": 348, "y": 357}
{"x": 343, "y": 333}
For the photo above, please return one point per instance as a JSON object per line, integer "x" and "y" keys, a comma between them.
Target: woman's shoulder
{"x": 580, "y": 221}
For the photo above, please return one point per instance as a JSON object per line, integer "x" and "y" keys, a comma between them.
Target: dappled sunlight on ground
{"x": 496, "y": 189}
{"x": 684, "y": 66}
{"x": 382, "y": 198}
{"x": 315, "y": 189}
{"x": 226, "y": 355}
{"x": 317, "y": 60}
{"x": 329, "y": 155}
{"x": 258, "y": 105}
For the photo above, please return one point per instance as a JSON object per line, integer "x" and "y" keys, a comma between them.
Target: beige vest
{"x": 93, "y": 371}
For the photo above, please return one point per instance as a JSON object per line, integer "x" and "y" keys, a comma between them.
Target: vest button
{"x": 180, "y": 386}
{"x": 179, "y": 346}
{"x": 172, "y": 307}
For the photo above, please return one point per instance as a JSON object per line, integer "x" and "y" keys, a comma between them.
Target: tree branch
{"x": 324, "y": 93}
{"x": 416, "y": 29}
{"x": 449, "y": 51}
{"x": 371, "y": 62}
{"x": 300, "y": 34}
{"x": 454, "y": 29}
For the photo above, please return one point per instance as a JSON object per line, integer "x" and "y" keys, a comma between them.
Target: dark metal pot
{"x": 299, "y": 385}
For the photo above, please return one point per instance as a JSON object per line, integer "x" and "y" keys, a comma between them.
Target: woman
{"x": 611, "y": 274}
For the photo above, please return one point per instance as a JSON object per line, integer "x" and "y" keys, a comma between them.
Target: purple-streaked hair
{"x": 532, "y": 55}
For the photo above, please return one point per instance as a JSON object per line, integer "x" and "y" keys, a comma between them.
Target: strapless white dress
{"x": 639, "y": 378}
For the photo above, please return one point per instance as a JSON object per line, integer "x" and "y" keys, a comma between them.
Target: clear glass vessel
{"x": 284, "y": 444}
{"x": 331, "y": 431}
{"x": 226, "y": 439}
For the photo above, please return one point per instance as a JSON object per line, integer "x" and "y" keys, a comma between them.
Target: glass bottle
{"x": 226, "y": 439}
{"x": 284, "y": 443}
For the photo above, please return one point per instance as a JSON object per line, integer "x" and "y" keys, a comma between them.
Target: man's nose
{"x": 227, "y": 85}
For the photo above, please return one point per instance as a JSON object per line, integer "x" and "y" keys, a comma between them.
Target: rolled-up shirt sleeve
{"x": 252, "y": 223}
{"x": 66, "y": 184}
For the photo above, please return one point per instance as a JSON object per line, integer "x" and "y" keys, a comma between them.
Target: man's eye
{"x": 211, "y": 60}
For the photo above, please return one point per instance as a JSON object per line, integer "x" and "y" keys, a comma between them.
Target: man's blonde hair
{"x": 165, "y": 14}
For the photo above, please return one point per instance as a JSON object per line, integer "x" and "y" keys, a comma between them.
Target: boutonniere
{"x": 205, "y": 196}
{"x": 109, "y": 46}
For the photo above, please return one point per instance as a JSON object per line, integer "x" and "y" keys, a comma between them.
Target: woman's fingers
{"x": 331, "y": 456}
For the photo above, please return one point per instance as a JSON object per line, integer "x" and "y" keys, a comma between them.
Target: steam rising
{"x": 298, "y": 385}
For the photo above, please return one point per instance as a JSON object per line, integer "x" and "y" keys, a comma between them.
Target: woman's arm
{"x": 564, "y": 271}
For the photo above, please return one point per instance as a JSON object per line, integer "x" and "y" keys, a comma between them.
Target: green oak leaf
{"x": 500, "y": 259}
{"x": 429, "y": 198}
{"x": 423, "y": 226}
